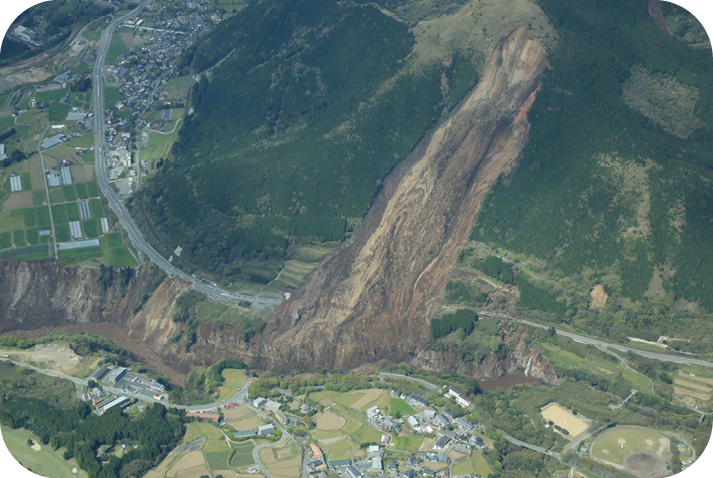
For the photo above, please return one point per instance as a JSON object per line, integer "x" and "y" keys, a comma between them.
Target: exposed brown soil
{"x": 111, "y": 331}
{"x": 656, "y": 12}
{"x": 40, "y": 297}
{"x": 374, "y": 298}
{"x": 599, "y": 297}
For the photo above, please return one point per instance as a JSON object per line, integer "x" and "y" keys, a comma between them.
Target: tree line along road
{"x": 117, "y": 205}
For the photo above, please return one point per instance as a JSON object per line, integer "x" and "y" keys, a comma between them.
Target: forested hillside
{"x": 616, "y": 179}
{"x": 307, "y": 106}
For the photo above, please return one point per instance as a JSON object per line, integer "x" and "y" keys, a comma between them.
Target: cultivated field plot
{"x": 564, "y": 418}
{"x": 693, "y": 389}
{"x": 325, "y": 397}
{"x": 218, "y": 460}
{"x": 292, "y": 275}
{"x": 330, "y": 421}
{"x": 241, "y": 418}
{"x": 243, "y": 455}
{"x": 641, "y": 451}
{"x": 475, "y": 463}
{"x": 234, "y": 380}
{"x": 369, "y": 397}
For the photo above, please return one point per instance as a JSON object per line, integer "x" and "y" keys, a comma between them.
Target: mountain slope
{"x": 373, "y": 298}
{"x": 616, "y": 175}
{"x": 301, "y": 110}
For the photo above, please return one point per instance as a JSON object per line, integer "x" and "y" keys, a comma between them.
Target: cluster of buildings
{"x": 57, "y": 177}
{"x": 128, "y": 381}
{"x": 26, "y": 34}
{"x": 263, "y": 430}
{"x": 379, "y": 419}
{"x": 272, "y": 406}
{"x": 105, "y": 404}
{"x": 145, "y": 67}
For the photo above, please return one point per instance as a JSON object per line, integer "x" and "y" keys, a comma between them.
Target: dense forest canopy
{"x": 600, "y": 184}
{"x": 302, "y": 109}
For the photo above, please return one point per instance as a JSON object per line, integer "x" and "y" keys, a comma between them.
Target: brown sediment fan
{"x": 374, "y": 298}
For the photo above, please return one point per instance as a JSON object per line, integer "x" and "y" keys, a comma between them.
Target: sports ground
{"x": 640, "y": 451}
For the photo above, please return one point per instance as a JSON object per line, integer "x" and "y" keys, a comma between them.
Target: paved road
{"x": 536, "y": 448}
{"x": 426, "y": 384}
{"x": 256, "y": 453}
{"x": 237, "y": 398}
{"x": 601, "y": 343}
{"x": 117, "y": 205}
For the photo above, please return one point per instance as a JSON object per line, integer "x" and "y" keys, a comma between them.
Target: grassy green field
{"x": 607, "y": 445}
{"x": 79, "y": 100}
{"x": 349, "y": 399}
{"x": 86, "y": 141}
{"x": 243, "y": 455}
{"x": 476, "y": 463}
{"x": 412, "y": 443}
{"x": 59, "y": 111}
{"x": 111, "y": 94}
{"x": 399, "y": 405}
{"x": 366, "y": 434}
{"x": 116, "y": 49}
{"x": 234, "y": 379}
{"x": 47, "y": 96}
{"x": 5, "y": 240}
{"x": 42, "y": 462}
{"x": 218, "y": 460}
{"x": 317, "y": 396}
{"x": 158, "y": 146}
{"x": 82, "y": 68}
{"x": 637, "y": 379}
{"x": 562, "y": 357}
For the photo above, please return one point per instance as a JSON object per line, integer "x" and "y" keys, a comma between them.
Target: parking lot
{"x": 138, "y": 384}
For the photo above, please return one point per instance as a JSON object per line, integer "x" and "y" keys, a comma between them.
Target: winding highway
{"x": 609, "y": 345}
{"x": 143, "y": 248}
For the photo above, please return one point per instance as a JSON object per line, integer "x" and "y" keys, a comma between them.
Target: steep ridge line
{"x": 374, "y": 298}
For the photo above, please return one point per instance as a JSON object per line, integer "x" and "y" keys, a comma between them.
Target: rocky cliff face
{"x": 374, "y": 298}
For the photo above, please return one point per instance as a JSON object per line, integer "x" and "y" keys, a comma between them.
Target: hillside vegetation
{"x": 301, "y": 110}
{"x": 606, "y": 190}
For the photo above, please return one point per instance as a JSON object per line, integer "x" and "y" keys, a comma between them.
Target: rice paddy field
{"x": 241, "y": 418}
{"x": 214, "y": 457}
